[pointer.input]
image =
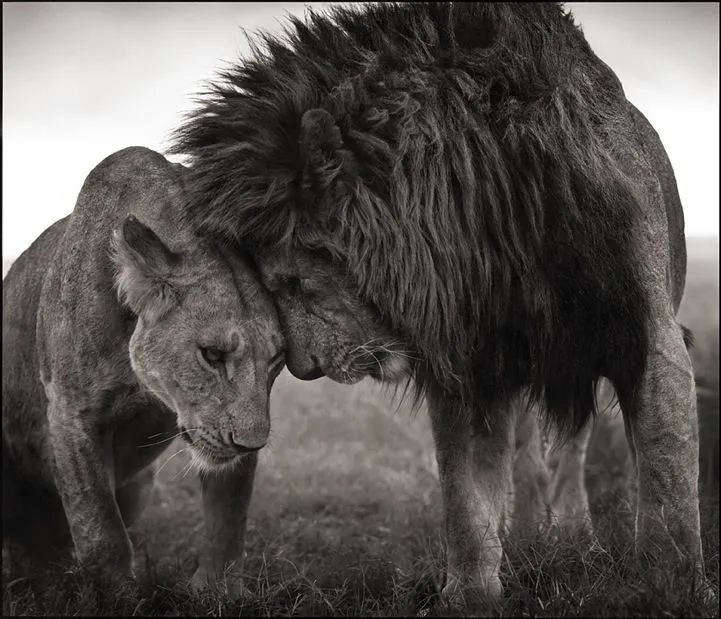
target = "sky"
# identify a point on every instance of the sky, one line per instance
(82, 80)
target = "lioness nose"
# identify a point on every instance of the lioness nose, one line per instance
(243, 447)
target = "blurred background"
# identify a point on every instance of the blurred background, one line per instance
(82, 80)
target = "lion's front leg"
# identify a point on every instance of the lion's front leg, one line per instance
(83, 473)
(475, 465)
(531, 476)
(226, 498)
(662, 429)
(568, 497)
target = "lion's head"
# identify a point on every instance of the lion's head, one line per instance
(329, 330)
(207, 341)
(452, 185)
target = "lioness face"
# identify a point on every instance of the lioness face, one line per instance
(207, 343)
(328, 330)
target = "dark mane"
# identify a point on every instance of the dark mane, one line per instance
(474, 195)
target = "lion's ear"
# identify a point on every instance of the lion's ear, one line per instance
(323, 155)
(144, 270)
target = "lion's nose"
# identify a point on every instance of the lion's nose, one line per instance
(243, 447)
(311, 375)
(304, 368)
(302, 365)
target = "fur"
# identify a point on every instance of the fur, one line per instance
(467, 183)
(92, 393)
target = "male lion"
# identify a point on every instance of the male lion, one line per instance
(93, 393)
(461, 193)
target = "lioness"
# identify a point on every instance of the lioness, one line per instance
(94, 388)
(460, 193)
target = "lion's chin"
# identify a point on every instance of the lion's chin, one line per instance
(206, 462)
(392, 369)
(346, 378)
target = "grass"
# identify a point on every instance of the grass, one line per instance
(346, 518)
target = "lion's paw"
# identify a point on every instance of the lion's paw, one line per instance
(228, 582)
(571, 515)
(473, 600)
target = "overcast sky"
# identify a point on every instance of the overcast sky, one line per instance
(82, 80)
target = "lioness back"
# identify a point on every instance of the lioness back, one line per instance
(26, 479)
(24, 401)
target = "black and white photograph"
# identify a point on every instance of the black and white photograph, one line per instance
(360, 309)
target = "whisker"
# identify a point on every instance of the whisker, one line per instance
(165, 440)
(170, 458)
(367, 343)
(187, 467)
(377, 361)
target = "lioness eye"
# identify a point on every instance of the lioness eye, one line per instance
(213, 356)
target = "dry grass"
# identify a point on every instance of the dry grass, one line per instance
(346, 517)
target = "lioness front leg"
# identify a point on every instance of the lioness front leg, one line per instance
(475, 469)
(662, 429)
(226, 498)
(82, 468)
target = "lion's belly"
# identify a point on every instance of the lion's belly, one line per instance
(146, 430)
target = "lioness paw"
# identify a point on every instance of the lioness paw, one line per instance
(108, 577)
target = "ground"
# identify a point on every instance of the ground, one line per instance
(346, 515)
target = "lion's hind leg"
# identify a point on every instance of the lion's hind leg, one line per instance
(662, 429)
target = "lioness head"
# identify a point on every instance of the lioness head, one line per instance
(328, 330)
(207, 341)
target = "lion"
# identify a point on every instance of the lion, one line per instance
(122, 330)
(460, 194)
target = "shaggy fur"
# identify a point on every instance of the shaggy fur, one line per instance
(467, 184)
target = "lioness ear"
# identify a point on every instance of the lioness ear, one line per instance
(322, 152)
(144, 269)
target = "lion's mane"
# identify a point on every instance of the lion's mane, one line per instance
(473, 191)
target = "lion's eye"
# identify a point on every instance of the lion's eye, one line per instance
(213, 356)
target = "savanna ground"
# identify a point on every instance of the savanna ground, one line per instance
(346, 516)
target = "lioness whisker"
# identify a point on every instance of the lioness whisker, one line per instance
(164, 440)
(188, 466)
(162, 466)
